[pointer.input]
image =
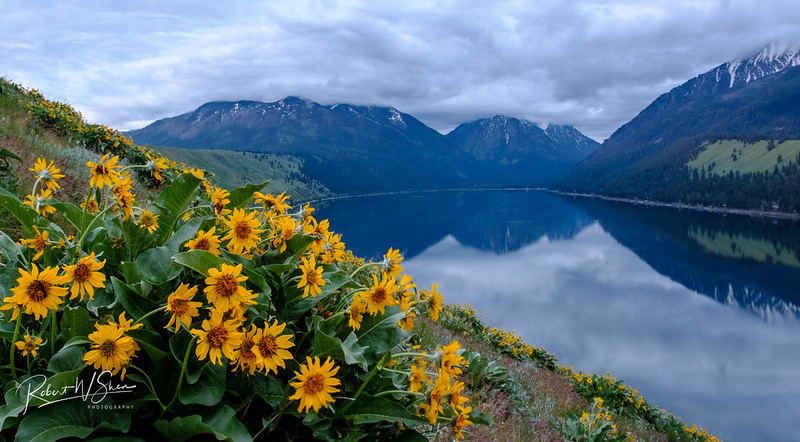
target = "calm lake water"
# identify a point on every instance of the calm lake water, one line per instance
(699, 312)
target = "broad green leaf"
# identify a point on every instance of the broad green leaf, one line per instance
(5, 153)
(208, 389)
(156, 266)
(151, 342)
(74, 214)
(369, 409)
(200, 261)
(75, 322)
(381, 333)
(220, 422)
(266, 387)
(241, 195)
(66, 359)
(298, 243)
(480, 418)
(325, 341)
(9, 250)
(173, 200)
(354, 353)
(186, 232)
(134, 305)
(299, 305)
(24, 214)
(103, 299)
(67, 419)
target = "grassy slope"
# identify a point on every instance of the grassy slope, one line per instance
(235, 169)
(738, 246)
(522, 397)
(752, 157)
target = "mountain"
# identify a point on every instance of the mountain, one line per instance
(757, 98)
(357, 149)
(347, 148)
(521, 148)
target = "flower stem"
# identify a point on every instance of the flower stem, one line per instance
(181, 376)
(53, 333)
(363, 267)
(387, 392)
(160, 309)
(150, 385)
(14, 340)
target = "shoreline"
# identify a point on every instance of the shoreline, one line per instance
(680, 206)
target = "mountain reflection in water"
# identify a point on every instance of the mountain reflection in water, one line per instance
(613, 287)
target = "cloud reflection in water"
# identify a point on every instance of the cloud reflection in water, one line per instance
(597, 306)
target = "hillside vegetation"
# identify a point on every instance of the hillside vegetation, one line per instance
(236, 169)
(724, 156)
(236, 318)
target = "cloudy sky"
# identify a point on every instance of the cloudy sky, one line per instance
(593, 64)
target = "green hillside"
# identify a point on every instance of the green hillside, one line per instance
(724, 156)
(236, 169)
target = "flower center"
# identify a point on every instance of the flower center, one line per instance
(100, 169)
(311, 276)
(40, 243)
(242, 230)
(108, 348)
(246, 349)
(226, 286)
(379, 295)
(218, 206)
(30, 346)
(38, 290)
(267, 345)
(217, 336)
(178, 306)
(82, 272)
(315, 383)
(202, 244)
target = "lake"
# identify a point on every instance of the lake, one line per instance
(699, 312)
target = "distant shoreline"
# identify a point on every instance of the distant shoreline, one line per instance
(680, 206)
(696, 207)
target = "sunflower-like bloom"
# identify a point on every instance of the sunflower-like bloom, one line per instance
(105, 172)
(37, 203)
(245, 356)
(111, 349)
(461, 420)
(219, 198)
(205, 241)
(451, 361)
(37, 292)
(84, 276)
(333, 251)
(243, 234)
(275, 204)
(356, 312)
(407, 298)
(407, 323)
(438, 392)
(315, 383)
(381, 294)
(149, 221)
(283, 230)
(434, 301)
(320, 233)
(217, 337)
(91, 206)
(155, 166)
(271, 347)
(391, 262)
(182, 308)
(38, 242)
(223, 288)
(417, 378)
(311, 280)
(455, 398)
(47, 173)
(29, 345)
(123, 194)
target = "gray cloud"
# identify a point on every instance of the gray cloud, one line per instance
(592, 64)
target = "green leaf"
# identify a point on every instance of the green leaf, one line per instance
(480, 418)
(5, 153)
(220, 422)
(186, 232)
(241, 195)
(354, 353)
(67, 359)
(23, 395)
(369, 409)
(208, 389)
(200, 261)
(74, 214)
(381, 333)
(325, 343)
(75, 322)
(65, 419)
(24, 214)
(9, 250)
(135, 305)
(173, 200)
(156, 266)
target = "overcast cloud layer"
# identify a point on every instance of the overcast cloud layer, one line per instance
(592, 64)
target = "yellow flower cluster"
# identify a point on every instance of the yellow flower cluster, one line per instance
(112, 349)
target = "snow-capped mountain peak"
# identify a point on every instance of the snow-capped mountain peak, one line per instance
(774, 58)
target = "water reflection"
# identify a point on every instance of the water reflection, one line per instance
(615, 288)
